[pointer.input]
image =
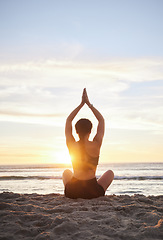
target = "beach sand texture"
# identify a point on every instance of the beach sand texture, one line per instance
(52, 216)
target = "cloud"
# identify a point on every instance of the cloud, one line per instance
(23, 114)
(53, 73)
(30, 104)
(41, 91)
(138, 119)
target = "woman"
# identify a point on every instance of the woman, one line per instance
(82, 183)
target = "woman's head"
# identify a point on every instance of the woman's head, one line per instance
(83, 127)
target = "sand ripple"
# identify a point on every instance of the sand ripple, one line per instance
(52, 216)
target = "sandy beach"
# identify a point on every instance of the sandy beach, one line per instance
(52, 216)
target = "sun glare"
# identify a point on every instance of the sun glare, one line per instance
(62, 157)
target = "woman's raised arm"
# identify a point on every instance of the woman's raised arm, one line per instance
(68, 126)
(101, 122)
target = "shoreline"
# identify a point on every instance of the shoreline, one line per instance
(53, 216)
(63, 165)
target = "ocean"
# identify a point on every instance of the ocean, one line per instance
(133, 178)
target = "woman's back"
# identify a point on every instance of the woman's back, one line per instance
(85, 156)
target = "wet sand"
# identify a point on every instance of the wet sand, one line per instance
(52, 216)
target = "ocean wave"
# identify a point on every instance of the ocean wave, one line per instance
(3, 178)
(136, 178)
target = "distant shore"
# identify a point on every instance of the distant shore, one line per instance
(52, 216)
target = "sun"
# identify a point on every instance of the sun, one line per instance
(62, 157)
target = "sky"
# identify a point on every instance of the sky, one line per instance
(50, 50)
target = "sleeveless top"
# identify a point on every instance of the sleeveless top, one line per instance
(91, 161)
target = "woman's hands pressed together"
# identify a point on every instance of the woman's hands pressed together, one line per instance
(85, 97)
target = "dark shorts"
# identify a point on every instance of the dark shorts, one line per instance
(86, 189)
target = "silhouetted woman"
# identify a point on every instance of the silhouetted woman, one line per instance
(82, 183)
